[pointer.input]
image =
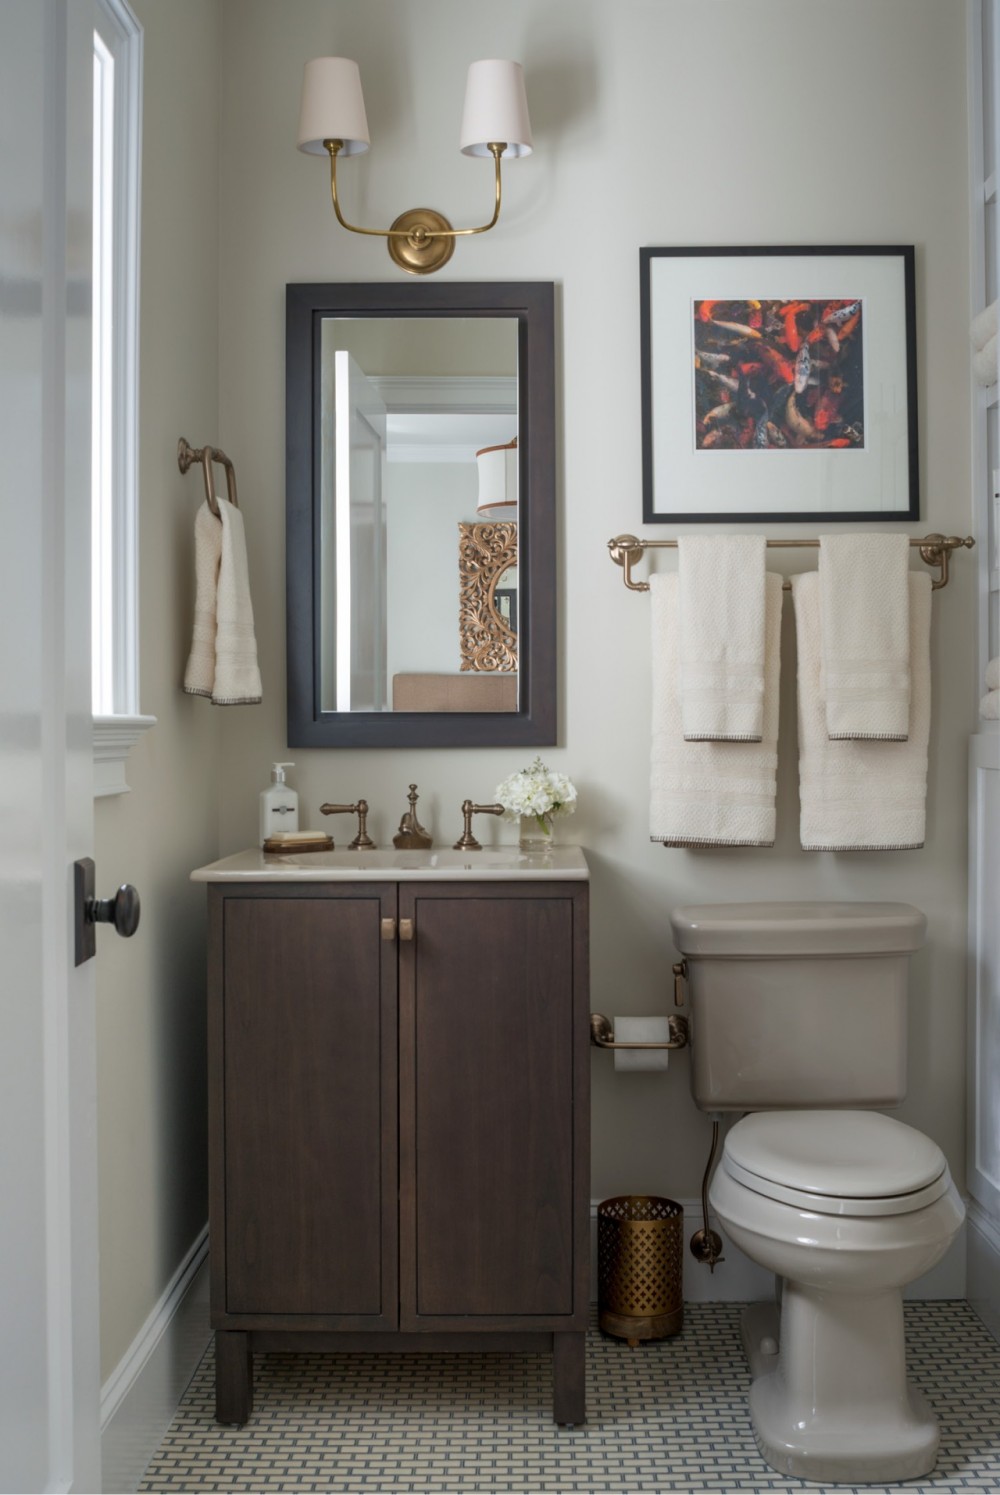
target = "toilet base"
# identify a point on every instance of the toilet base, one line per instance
(868, 1428)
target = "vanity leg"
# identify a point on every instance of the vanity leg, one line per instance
(233, 1376)
(569, 1380)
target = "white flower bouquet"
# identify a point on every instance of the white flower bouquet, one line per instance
(536, 793)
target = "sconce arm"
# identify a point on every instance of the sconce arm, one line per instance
(496, 149)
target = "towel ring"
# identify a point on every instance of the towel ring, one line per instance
(206, 455)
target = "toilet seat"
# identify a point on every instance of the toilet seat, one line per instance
(836, 1162)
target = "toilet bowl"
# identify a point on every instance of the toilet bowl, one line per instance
(846, 1208)
(799, 1015)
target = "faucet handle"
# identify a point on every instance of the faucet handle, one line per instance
(362, 841)
(467, 841)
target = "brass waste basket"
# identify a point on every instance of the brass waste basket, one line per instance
(640, 1255)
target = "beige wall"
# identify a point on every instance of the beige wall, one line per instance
(151, 1025)
(784, 121)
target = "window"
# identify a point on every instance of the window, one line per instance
(117, 144)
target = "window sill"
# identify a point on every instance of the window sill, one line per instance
(114, 736)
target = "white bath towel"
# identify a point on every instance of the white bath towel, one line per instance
(989, 706)
(984, 326)
(709, 793)
(223, 659)
(721, 637)
(993, 675)
(864, 612)
(861, 796)
(984, 363)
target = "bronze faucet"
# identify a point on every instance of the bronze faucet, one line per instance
(411, 835)
(362, 841)
(467, 841)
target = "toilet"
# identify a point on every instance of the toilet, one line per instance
(799, 1018)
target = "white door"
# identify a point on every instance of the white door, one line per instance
(49, 1361)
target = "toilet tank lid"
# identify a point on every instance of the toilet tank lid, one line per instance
(797, 928)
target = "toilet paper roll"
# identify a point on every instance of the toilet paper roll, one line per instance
(641, 1030)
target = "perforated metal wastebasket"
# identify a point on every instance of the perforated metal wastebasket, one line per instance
(640, 1255)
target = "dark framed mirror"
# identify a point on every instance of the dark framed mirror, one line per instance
(406, 407)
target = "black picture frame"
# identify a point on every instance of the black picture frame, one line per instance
(868, 471)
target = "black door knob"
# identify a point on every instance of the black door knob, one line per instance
(122, 910)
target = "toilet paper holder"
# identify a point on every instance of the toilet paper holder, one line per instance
(602, 1034)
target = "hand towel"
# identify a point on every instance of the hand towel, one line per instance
(861, 796)
(223, 659)
(989, 706)
(984, 363)
(984, 326)
(993, 675)
(721, 637)
(709, 793)
(864, 635)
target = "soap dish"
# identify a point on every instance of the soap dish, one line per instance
(285, 843)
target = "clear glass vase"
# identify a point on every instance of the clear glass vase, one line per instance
(537, 833)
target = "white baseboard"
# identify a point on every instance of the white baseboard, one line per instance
(984, 1267)
(737, 1279)
(144, 1391)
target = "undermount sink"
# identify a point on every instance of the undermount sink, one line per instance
(496, 864)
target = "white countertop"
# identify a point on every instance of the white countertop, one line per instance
(498, 864)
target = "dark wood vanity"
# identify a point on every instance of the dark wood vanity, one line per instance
(399, 1115)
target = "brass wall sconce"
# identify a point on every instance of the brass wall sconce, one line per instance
(495, 123)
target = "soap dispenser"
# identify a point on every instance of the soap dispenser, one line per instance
(279, 804)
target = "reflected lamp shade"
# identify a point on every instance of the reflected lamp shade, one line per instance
(497, 482)
(496, 109)
(333, 107)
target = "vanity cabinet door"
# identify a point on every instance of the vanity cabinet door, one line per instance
(304, 1172)
(494, 1070)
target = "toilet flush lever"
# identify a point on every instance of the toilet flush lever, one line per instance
(680, 976)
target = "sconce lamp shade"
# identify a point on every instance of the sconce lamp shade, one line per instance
(333, 107)
(497, 482)
(496, 108)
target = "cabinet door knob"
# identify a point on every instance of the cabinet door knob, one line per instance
(388, 929)
(406, 929)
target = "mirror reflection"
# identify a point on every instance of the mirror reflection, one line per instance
(418, 463)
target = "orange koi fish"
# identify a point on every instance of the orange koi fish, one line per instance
(849, 326)
(789, 314)
(781, 366)
(705, 310)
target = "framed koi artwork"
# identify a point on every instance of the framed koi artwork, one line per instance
(778, 384)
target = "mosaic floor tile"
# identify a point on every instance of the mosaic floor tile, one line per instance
(667, 1417)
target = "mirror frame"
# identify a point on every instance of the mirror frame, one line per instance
(531, 303)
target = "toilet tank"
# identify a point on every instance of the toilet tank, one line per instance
(797, 1004)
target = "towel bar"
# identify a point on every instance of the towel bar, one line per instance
(935, 550)
(206, 455)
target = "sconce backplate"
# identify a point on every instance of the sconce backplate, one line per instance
(421, 252)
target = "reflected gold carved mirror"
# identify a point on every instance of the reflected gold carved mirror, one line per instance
(394, 394)
(487, 555)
